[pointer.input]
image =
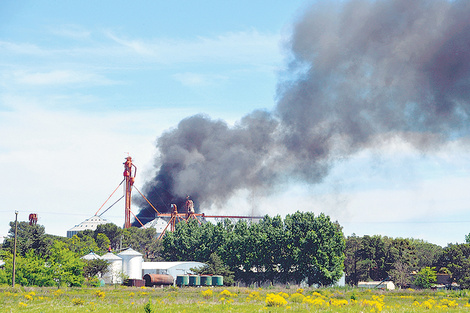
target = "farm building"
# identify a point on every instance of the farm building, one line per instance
(169, 268)
(388, 285)
(159, 223)
(130, 263)
(90, 223)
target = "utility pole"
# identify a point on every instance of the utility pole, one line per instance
(14, 250)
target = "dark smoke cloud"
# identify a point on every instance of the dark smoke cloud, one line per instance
(361, 72)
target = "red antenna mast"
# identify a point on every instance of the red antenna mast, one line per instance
(129, 176)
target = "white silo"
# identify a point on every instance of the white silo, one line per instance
(113, 276)
(131, 263)
(91, 256)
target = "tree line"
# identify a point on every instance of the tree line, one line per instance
(302, 247)
(378, 258)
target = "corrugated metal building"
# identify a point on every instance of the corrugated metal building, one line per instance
(90, 223)
(170, 268)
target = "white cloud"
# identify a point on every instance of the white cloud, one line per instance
(59, 77)
(238, 47)
(134, 45)
(7, 47)
(76, 32)
(198, 80)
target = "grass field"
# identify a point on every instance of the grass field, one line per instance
(231, 299)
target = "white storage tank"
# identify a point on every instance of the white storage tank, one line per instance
(113, 276)
(131, 263)
(91, 256)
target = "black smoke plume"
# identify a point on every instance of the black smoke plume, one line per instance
(361, 72)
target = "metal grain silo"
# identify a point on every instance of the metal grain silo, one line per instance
(113, 276)
(131, 263)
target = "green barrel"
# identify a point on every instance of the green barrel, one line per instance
(206, 280)
(182, 280)
(194, 280)
(217, 280)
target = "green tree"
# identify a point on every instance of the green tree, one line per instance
(82, 245)
(235, 251)
(351, 253)
(140, 239)
(183, 243)
(400, 250)
(272, 248)
(29, 237)
(318, 248)
(95, 267)
(103, 242)
(426, 277)
(372, 263)
(400, 274)
(112, 231)
(211, 238)
(66, 266)
(60, 267)
(31, 270)
(427, 254)
(456, 258)
(215, 266)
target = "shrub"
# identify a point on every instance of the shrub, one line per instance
(254, 295)
(319, 301)
(78, 301)
(226, 293)
(297, 298)
(100, 294)
(207, 294)
(283, 294)
(275, 300)
(425, 277)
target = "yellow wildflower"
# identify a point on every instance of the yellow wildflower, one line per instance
(275, 300)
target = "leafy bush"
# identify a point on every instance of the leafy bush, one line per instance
(426, 277)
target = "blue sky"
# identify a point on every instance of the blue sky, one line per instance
(84, 83)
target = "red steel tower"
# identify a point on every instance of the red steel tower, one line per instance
(129, 177)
